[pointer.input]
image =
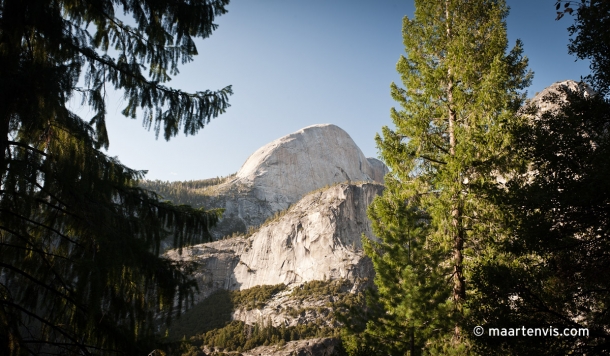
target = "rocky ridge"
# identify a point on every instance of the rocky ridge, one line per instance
(311, 347)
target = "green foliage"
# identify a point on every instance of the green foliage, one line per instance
(209, 322)
(313, 289)
(339, 300)
(461, 89)
(367, 326)
(255, 297)
(238, 336)
(80, 270)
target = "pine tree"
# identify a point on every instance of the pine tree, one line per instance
(461, 89)
(80, 271)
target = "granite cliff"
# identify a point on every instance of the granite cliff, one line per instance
(318, 238)
(311, 257)
(280, 173)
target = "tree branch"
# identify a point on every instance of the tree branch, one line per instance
(27, 147)
(432, 159)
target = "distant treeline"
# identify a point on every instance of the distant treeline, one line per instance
(190, 192)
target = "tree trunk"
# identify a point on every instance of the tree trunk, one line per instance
(457, 234)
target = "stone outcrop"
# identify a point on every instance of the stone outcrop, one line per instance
(280, 310)
(318, 238)
(280, 173)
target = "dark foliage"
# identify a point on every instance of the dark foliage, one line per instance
(550, 272)
(209, 322)
(591, 40)
(80, 271)
(238, 336)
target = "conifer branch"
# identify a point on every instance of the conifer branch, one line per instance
(39, 251)
(442, 149)
(56, 201)
(75, 342)
(37, 224)
(30, 148)
(44, 285)
(432, 159)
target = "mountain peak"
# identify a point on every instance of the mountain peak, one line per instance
(281, 172)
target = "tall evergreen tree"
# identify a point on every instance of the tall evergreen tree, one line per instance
(461, 88)
(80, 271)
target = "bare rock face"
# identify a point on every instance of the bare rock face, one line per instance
(278, 174)
(300, 162)
(379, 169)
(319, 238)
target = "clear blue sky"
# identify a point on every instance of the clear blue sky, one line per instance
(295, 63)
